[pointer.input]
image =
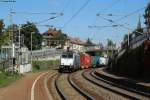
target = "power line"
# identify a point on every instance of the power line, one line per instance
(109, 7)
(7, 1)
(130, 14)
(42, 21)
(125, 16)
(72, 17)
(121, 25)
(109, 14)
(31, 13)
(45, 20)
(115, 25)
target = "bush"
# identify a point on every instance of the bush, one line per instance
(6, 78)
(43, 65)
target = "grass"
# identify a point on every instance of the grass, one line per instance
(6, 78)
(44, 65)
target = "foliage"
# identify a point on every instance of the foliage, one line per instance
(6, 78)
(28, 29)
(43, 65)
(130, 63)
(2, 25)
(13, 31)
(60, 37)
(4, 35)
(110, 44)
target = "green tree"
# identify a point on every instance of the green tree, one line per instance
(4, 35)
(2, 25)
(28, 29)
(13, 31)
(110, 44)
(60, 37)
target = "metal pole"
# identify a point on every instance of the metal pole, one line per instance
(31, 50)
(128, 39)
(19, 37)
(19, 58)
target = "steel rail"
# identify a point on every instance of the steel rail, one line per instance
(75, 86)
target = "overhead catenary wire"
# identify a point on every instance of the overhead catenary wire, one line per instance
(75, 14)
(109, 7)
(40, 22)
(31, 13)
(7, 1)
(120, 25)
(123, 17)
(130, 14)
(103, 26)
(45, 20)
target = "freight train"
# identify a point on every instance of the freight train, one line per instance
(71, 61)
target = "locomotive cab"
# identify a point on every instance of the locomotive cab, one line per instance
(69, 61)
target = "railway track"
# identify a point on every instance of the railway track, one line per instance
(126, 84)
(61, 89)
(111, 86)
(85, 84)
(93, 91)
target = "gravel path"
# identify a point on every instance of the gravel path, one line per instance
(19, 90)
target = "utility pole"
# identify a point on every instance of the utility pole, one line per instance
(19, 49)
(11, 44)
(31, 50)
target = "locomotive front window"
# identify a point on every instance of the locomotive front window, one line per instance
(70, 56)
(64, 56)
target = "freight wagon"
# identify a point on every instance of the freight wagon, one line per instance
(95, 61)
(69, 61)
(85, 61)
(98, 61)
(103, 61)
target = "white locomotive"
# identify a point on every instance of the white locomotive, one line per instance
(69, 61)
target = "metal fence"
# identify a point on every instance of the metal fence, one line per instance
(45, 54)
(134, 43)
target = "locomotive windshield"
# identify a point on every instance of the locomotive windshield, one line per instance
(68, 55)
(64, 56)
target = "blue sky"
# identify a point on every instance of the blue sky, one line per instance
(78, 27)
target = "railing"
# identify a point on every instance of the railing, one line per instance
(45, 53)
(134, 43)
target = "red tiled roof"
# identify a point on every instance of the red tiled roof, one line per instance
(51, 31)
(76, 41)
